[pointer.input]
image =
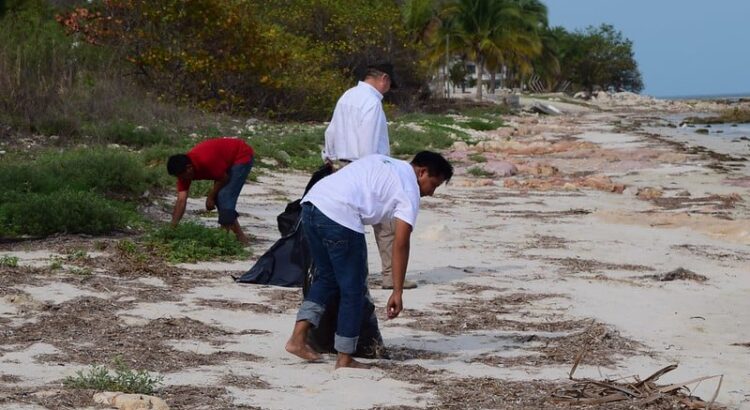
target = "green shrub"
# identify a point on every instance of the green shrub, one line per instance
(192, 242)
(480, 124)
(123, 380)
(9, 261)
(110, 172)
(62, 211)
(479, 172)
(476, 157)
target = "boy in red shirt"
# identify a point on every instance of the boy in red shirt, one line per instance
(226, 161)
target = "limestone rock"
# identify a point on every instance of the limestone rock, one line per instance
(648, 193)
(501, 168)
(460, 146)
(124, 401)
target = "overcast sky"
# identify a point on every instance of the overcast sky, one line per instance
(683, 47)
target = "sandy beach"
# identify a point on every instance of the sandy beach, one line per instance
(623, 240)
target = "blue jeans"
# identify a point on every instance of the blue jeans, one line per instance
(226, 199)
(340, 256)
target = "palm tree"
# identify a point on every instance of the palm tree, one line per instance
(496, 32)
(420, 19)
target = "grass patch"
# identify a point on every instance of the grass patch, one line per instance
(192, 242)
(479, 172)
(477, 157)
(481, 124)
(406, 140)
(125, 133)
(7, 261)
(415, 132)
(292, 145)
(123, 379)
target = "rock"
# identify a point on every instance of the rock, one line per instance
(542, 170)
(583, 95)
(701, 131)
(472, 182)
(460, 146)
(124, 401)
(501, 169)
(603, 96)
(648, 193)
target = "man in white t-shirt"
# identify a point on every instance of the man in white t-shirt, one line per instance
(359, 128)
(334, 214)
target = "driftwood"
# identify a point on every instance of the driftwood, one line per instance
(587, 392)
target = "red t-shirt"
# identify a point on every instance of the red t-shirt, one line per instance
(212, 158)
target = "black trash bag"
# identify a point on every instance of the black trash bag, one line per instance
(287, 262)
(370, 343)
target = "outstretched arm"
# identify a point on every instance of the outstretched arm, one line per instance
(179, 207)
(399, 261)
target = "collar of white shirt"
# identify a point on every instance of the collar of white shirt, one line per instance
(371, 88)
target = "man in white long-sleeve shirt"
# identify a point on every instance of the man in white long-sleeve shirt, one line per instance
(359, 128)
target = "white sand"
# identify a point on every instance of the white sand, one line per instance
(478, 235)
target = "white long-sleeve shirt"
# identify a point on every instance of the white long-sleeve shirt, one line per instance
(358, 127)
(368, 191)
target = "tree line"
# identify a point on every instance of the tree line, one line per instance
(293, 58)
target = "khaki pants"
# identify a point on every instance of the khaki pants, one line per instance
(385, 232)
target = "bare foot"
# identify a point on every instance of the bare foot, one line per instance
(351, 363)
(303, 351)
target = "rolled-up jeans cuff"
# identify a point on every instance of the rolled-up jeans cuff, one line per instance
(311, 312)
(344, 344)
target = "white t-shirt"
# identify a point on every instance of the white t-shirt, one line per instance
(368, 191)
(358, 127)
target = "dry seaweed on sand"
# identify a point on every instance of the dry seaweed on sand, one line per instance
(575, 265)
(282, 300)
(403, 353)
(633, 391)
(86, 330)
(459, 393)
(475, 313)
(679, 274)
(184, 397)
(49, 397)
(604, 346)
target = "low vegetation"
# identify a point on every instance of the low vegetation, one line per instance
(8, 261)
(733, 116)
(479, 172)
(122, 379)
(90, 191)
(193, 242)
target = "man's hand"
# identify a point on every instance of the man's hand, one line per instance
(395, 305)
(210, 203)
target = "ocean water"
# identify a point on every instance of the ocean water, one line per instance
(721, 97)
(733, 131)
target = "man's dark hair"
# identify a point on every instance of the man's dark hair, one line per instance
(177, 164)
(436, 165)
